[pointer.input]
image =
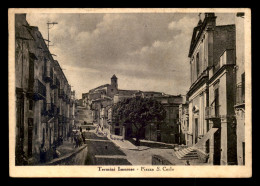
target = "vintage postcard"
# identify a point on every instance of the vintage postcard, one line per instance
(130, 92)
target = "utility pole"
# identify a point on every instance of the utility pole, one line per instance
(49, 27)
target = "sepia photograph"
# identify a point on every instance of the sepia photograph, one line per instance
(130, 92)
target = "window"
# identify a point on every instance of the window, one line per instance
(197, 64)
(216, 102)
(243, 87)
(30, 104)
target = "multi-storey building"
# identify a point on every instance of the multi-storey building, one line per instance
(240, 87)
(169, 130)
(212, 124)
(102, 98)
(38, 81)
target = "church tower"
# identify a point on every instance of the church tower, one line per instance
(114, 82)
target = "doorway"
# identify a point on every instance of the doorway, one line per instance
(50, 136)
(217, 150)
(117, 131)
(30, 136)
(196, 130)
(43, 136)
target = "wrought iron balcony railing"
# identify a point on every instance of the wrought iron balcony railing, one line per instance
(61, 93)
(37, 91)
(212, 112)
(54, 83)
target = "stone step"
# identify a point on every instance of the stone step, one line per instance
(187, 154)
(185, 157)
(188, 151)
(181, 153)
(191, 149)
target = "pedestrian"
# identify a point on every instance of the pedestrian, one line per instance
(43, 153)
(80, 129)
(76, 141)
(83, 138)
(80, 140)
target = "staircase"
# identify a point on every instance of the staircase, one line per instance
(191, 152)
(187, 154)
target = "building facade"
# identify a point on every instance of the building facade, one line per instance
(101, 101)
(213, 128)
(240, 88)
(40, 103)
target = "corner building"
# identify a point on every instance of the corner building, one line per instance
(211, 97)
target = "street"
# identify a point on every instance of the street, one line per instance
(104, 151)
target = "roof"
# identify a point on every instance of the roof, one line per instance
(114, 77)
(127, 92)
(102, 99)
(198, 30)
(153, 92)
(101, 86)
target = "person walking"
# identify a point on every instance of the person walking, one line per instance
(76, 141)
(43, 153)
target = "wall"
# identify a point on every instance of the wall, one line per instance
(224, 38)
(240, 112)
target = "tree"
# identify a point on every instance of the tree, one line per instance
(138, 112)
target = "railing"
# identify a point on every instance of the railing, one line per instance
(212, 112)
(61, 93)
(240, 94)
(51, 109)
(39, 90)
(54, 83)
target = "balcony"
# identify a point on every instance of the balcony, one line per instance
(240, 95)
(68, 100)
(212, 112)
(60, 118)
(65, 119)
(65, 97)
(37, 91)
(54, 83)
(52, 110)
(48, 72)
(61, 93)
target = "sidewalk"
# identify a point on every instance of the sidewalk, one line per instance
(67, 150)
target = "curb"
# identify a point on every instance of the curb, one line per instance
(58, 160)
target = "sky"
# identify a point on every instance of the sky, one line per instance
(146, 51)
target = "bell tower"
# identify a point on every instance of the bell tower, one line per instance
(114, 82)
